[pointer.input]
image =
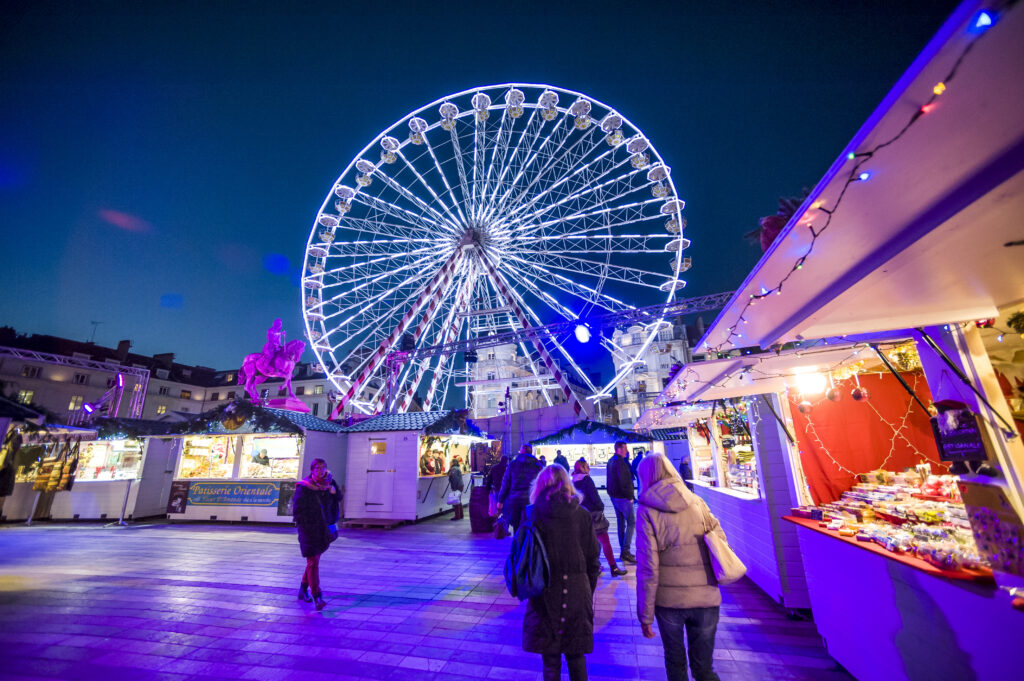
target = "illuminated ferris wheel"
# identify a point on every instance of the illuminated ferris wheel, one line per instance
(493, 209)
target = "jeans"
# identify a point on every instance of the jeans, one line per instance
(577, 665)
(700, 625)
(513, 511)
(625, 522)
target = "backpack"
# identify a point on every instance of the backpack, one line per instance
(526, 568)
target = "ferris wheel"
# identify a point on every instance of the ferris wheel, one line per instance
(493, 209)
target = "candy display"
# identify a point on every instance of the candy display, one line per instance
(912, 513)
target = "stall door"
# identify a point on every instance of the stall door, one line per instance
(380, 476)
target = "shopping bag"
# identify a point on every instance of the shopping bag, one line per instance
(500, 527)
(454, 498)
(726, 565)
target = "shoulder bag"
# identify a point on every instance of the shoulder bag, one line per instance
(727, 566)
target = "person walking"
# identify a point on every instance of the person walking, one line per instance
(685, 471)
(637, 458)
(493, 481)
(514, 494)
(457, 484)
(591, 500)
(560, 621)
(316, 508)
(561, 460)
(674, 581)
(620, 489)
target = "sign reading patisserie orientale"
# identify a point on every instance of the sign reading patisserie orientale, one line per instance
(234, 493)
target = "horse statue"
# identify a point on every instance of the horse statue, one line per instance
(277, 360)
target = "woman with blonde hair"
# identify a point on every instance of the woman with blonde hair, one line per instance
(560, 621)
(674, 580)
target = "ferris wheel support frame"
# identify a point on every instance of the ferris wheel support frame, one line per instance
(429, 295)
(503, 289)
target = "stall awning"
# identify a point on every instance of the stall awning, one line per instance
(433, 422)
(589, 433)
(668, 434)
(676, 416)
(932, 233)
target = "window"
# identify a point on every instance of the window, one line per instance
(163, 390)
(378, 447)
(280, 391)
(490, 375)
(186, 394)
(214, 397)
(270, 457)
(161, 409)
(110, 460)
(490, 354)
(300, 390)
(80, 379)
(641, 386)
(492, 402)
(265, 393)
(316, 408)
(231, 395)
(25, 396)
(76, 402)
(30, 371)
(318, 389)
(187, 373)
(162, 373)
(184, 409)
(208, 457)
(230, 378)
(111, 382)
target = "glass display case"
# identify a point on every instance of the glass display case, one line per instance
(270, 458)
(738, 462)
(207, 457)
(110, 460)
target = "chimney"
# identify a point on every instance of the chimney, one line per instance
(164, 359)
(122, 350)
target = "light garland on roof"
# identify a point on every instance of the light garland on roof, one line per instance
(859, 172)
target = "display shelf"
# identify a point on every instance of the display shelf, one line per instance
(980, 575)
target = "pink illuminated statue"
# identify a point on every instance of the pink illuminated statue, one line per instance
(277, 360)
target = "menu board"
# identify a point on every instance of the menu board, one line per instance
(960, 436)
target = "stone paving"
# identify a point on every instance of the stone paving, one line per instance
(422, 602)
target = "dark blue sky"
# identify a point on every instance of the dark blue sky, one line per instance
(161, 163)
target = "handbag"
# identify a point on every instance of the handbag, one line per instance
(454, 498)
(601, 523)
(500, 527)
(527, 571)
(727, 566)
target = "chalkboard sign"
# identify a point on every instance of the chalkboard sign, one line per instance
(284, 500)
(177, 500)
(960, 436)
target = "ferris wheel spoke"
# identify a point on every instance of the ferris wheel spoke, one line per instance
(520, 155)
(532, 155)
(585, 293)
(593, 243)
(501, 142)
(372, 275)
(373, 298)
(460, 166)
(444, 178)
(450, 216)
(399, 213)
(380, 228)
(624, 214)
(600, 269)
(598, 188)
(443, 221)
(563, 162)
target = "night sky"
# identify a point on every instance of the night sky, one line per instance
(161, 164)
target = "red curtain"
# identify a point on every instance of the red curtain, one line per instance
(840, 439)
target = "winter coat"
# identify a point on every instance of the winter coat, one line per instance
(519, 475)
(591, 501)
(561, 619)
(497, 474)
(313, 511)
(563, 462)
(455, 479)
(673, 568)
(620, 478)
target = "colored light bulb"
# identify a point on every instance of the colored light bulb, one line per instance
(939, 88)
(864, 176)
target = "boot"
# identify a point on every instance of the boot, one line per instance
(617, 571)
(304, 593)
(320, 602)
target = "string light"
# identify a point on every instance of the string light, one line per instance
(978, 26)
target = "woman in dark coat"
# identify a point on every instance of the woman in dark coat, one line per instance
(316, 508)
(457, 484)
(591, 500)
(514, 494)
(561, 620)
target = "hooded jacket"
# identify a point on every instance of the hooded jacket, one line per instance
(673, 567)
(519, 475)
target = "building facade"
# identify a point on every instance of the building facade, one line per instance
(653, 369)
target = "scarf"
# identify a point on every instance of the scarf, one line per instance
(311, 483)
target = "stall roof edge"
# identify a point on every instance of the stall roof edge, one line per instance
(411, 420)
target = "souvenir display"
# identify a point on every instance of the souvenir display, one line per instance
(271, 458)
(912, 513)
(207, 457)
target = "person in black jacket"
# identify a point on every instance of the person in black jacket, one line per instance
(560, 621)
(456, 483)
(561, 460)
(316, 508)
(620, 489)
(515, 486)
(495, 476)
(591, 500)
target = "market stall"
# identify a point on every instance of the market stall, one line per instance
(593, 441)
(398, 464)
(915, 228)
(240, 462)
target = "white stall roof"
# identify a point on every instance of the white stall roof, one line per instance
(767, 372)
(676, 416)
(934, 233)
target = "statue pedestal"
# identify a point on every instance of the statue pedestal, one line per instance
(289, 403)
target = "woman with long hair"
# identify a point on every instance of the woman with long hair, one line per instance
(591, 500)
(316, 508)
(674, 580)
(560, 621)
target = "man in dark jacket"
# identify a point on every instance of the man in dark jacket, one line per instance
(515, 487)
(562, 461)
(620, 489)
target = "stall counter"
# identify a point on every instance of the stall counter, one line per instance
(889, 618)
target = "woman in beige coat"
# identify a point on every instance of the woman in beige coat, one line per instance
(674, 580)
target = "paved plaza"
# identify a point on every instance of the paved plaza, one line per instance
(418, 603)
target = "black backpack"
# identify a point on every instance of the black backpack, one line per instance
(527, 572)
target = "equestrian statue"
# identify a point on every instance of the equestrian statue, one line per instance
(277, 360)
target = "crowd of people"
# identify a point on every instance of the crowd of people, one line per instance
(674, 581)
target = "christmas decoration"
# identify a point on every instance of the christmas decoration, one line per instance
(833, 395)
(860, 394)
